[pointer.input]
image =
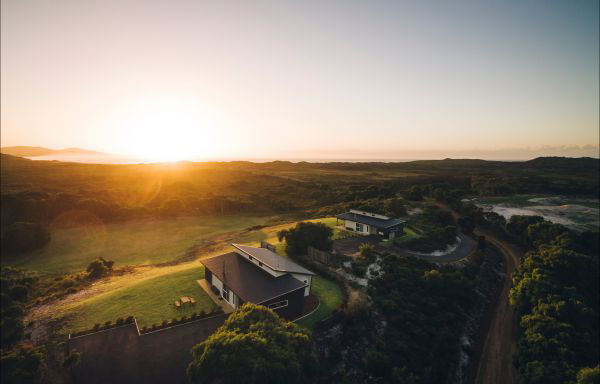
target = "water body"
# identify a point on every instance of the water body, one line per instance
(579, 214)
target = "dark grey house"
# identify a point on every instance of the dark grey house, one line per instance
(367, 223)
(259, 276)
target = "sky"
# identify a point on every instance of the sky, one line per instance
(301, 79)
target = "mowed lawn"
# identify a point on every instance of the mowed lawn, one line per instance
(150, 301)
(130, 243)
(330, 298)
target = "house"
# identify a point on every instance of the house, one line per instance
(367, 223)
(259, 276)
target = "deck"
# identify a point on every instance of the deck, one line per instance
(217, 300)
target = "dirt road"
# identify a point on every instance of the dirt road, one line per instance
(495, 363)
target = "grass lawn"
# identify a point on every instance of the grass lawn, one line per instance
(130, 243)
(151, 301)
(330, 297)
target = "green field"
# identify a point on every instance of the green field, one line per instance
(131, 243)
(150, 301)
(330, 298)
(150, 292)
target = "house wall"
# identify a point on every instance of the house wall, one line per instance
(305, 279)
(351, 225)
(219, 284)
(295, 304)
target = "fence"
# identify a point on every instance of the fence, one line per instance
(324, 257)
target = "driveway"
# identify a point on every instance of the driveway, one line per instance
(349, 247)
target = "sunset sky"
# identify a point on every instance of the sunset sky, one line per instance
(283, 79)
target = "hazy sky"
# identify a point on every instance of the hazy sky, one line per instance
(170, 79)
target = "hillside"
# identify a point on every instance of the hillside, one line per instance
(27, 151)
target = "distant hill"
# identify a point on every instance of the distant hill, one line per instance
(26, 151)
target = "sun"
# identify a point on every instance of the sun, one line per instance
(170, 127)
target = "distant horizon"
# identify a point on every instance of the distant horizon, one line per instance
(523, 154)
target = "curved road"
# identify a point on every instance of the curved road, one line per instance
(495, 362)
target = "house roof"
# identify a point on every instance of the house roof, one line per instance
(273, 260)
(374, 221)
(247, 280)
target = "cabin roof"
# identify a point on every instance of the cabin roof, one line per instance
(373, 221)
(273, 260)
(247, 280)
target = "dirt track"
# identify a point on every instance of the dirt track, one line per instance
(495, 363)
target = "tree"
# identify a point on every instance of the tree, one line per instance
(414, 194)
(517, 226)
(394, 207)
(22, 237)
(99, 268)
(589, 375)
(305, 235)
(24, 364)
(254, 345)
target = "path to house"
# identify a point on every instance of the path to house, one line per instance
(350, 245)
(494, 365)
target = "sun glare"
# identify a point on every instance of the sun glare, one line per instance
(171, 128)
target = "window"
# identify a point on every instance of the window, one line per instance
(279, 304)
(359, 227)
(225, 292)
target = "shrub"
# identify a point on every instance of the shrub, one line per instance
(120, 321)
(96, 326)
(164, 323)
(129, 319)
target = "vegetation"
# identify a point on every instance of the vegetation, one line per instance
(151, 301)
(437, 231)
(254, 345)
(555, 293)
(304, 235)
(23, 365)
(330, 299)
(136, 242)
(425, 308)
(99, 268)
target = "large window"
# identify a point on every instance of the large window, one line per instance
(359, 227)
(225, 292)
(279, 304)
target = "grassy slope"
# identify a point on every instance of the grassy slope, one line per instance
(149, 293)
(330, 298)
(150, 301)
(130, 243)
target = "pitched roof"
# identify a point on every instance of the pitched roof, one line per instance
(273, 260)
(374, 221)
(247, 280)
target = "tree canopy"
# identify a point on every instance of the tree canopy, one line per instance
(254, 345)
(305, 235)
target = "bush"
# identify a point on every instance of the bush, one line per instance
(99, 268)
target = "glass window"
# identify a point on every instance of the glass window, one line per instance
(279, 304)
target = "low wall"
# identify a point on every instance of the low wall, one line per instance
(122, 355)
